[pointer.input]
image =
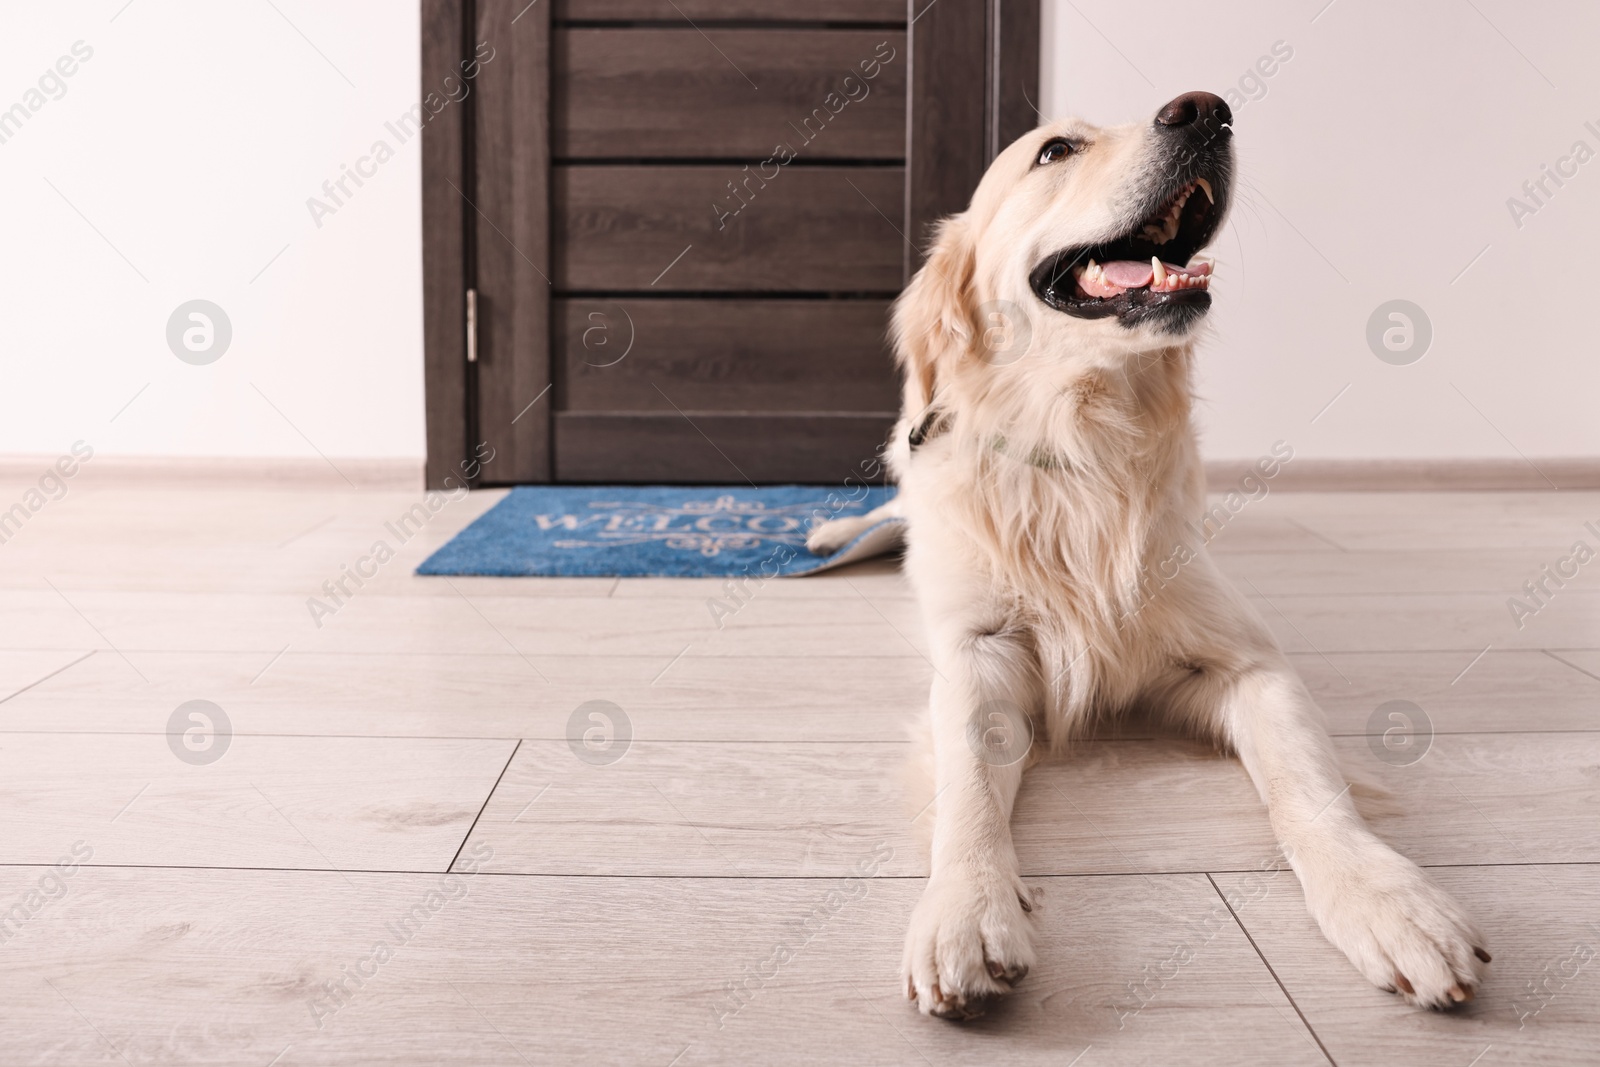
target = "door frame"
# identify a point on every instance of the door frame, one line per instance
(950, 141)
(448, 254)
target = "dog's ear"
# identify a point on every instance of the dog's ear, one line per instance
(934, 320)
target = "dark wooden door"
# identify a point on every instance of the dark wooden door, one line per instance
(673, 228)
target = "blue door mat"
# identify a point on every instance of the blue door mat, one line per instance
(662, 531)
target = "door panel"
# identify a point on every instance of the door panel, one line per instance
(698, 447)
(809, 229)
(651, 93)
(646, 354)
(701, 10)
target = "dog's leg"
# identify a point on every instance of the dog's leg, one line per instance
(1399, 929)
(826, 538)
(970, 937)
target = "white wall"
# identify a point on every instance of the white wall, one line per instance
(191, 140)
(1391, 142)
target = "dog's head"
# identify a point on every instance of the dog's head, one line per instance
(1087, 234)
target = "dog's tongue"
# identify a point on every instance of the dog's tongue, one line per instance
(1129, 273)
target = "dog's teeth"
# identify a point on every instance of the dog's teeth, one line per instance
(1159, 271)
(1206, 186)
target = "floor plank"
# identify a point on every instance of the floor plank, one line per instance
(325, 803)
(1431, 622)
(1433, 522)
(666, 697)
(694, 697)
(1487, 798)
(1505, 690)
(1253, 531)
(578, 625)
(1496, 571)
(1123, 807)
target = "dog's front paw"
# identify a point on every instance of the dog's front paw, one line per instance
(1404, 933)
(970, 941)
(826, 538)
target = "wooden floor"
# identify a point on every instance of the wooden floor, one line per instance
(734, 888)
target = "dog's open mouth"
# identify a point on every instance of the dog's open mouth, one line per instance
(1147, 271)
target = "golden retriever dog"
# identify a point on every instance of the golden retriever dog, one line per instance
(1052, 489)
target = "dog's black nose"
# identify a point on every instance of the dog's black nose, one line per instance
(1203, 109)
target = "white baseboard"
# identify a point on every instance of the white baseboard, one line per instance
(227, 471)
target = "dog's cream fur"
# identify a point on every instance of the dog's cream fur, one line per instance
(1066, 476)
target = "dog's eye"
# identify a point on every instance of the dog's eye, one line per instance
(1054, 151)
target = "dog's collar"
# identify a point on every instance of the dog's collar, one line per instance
(933, 423)
(936, 422)
(1045, 461)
